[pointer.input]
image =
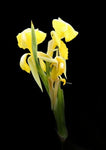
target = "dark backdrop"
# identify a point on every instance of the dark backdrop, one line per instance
(28, 119)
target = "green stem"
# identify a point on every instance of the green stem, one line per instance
(59, 115)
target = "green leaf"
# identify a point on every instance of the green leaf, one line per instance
(34, 44)
(34, 51)
(34, 65)
(34, 71)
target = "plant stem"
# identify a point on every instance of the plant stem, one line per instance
(59, 116)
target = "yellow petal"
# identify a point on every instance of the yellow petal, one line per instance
(70, 33)
(63, 80)
(60, 27)
(24, 38)
(23, 64)
(43, 65)
(64, 29)
(40, 36)
(46, 57)
(65, 70)
(55, 38)
(51, 47)
(63, 50)
(59, 68)
(61, 65)
(34, 71)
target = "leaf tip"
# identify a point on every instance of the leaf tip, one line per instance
(32, 26)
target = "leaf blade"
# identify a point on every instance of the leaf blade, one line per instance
(34, 72)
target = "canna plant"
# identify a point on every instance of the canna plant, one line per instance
(49, 67)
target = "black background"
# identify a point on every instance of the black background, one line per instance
(28, 121)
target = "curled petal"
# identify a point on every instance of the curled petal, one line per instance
(63, 50)
(58, 69)
(70, 33)
(43, 65)
(55, 38)
(63, 80)
(46, 57)
(51, 47)
(23, 64)
(60, 27)
(64, 29)
(61, 65)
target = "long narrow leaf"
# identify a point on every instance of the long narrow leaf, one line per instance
(34, 44)
(35, 71)
(34, 51)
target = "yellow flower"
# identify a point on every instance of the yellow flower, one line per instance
(24, 41)
(57, 62)
(49, 67)
(57, 65)
(63, 50)
(58, 69)
(62, 30)
(24, 38)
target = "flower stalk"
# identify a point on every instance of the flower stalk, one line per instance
(60, 116)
